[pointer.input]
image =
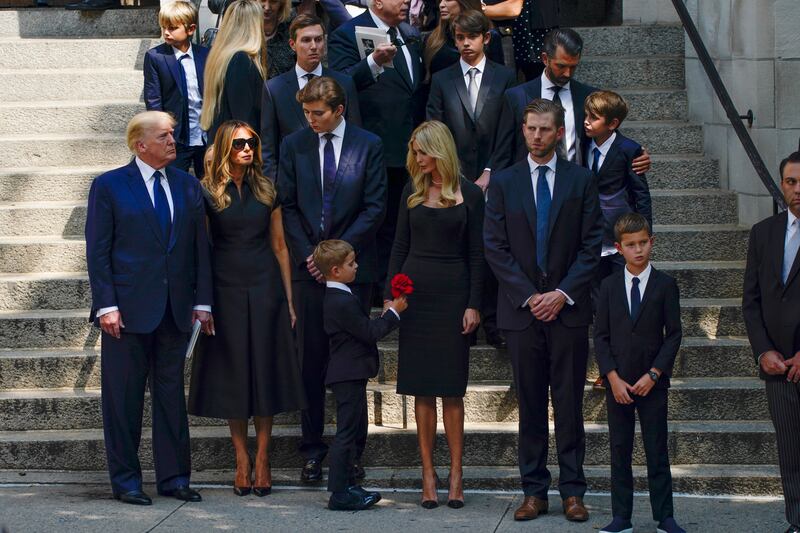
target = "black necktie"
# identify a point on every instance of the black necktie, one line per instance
(310, 76)
(596, 160)
(161, 205)
(561, 149)
(636, 298)
(400, 58)
(328, 177)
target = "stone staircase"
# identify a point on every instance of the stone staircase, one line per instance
(70, 82)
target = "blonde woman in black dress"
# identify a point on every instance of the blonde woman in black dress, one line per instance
(439, 245)
(248, 368)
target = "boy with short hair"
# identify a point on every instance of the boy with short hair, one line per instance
(610, 155)
(353, 360)
(173, 81)
(638, 313)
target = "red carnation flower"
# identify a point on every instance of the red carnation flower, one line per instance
(401, 285)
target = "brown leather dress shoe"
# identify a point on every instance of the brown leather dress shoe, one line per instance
(574, 509)
(531, 508)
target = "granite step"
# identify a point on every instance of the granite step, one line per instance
(642, 40)
(58, 54)
(656, 71)
(44, 184)
(70, 84)
(694, 206)
(73, 117)
(53, 149)
(683, 171)
(60, 23)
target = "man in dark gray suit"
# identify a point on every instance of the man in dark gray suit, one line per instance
(771, 309)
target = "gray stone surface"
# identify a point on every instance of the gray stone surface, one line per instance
(39, 184)
(707, 279)
(656, 104)
(665, 137)
(81, 150)
(106, 85)
(652, 72)
(54, 22)
(89, 508)
(56, 54)
(42, 254)
(42, 218)
(683, 172)
(44, 291)
(693, 206)
(69, 117)
(700, 243)
(632, 40)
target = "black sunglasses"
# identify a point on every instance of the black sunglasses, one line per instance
(238, 144)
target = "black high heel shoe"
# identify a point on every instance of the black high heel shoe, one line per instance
(244, 491)
(431, 504)
(454, 504)
(263, 491)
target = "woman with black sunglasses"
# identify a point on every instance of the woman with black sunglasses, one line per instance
(248, 367)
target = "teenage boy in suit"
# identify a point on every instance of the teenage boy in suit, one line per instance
(173, 82)
(771, 309)
(354, 359)
(473, 117)
(638, 314)
(281, 113)
(331, 185)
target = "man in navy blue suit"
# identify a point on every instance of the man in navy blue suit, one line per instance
(390, 92)
(173, 82)
(543, 231)
(331, 185)
(149, 271)
(281, 113)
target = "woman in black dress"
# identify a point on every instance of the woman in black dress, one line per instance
(439, 245)
(278, 15)
(235, 69)
(249, 367)
(440, 47)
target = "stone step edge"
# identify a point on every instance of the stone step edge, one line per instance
(200, 432)
(388, 387)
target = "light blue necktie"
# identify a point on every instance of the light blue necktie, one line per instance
(543, 200)
(790, 251)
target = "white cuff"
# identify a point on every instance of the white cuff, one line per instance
(525, 304)
(569, 300)
(206, 308)
(395, 313)
(105, 311)
(375, 68)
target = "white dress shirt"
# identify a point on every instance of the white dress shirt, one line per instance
(344, 287)
(301, 74)
(338, 138)
(481, 66)
(378, 69)
(570, 134)
(604, 148)
(195, 99)
(550, 176)
(791, 227)
(643, 277)
(149, 182)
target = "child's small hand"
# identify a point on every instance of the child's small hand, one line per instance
(620, 388)
(643, 386)
(399, 304)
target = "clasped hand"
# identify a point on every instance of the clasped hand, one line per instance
(313, 270)
(622, 390)
(773, 363)
(546, 306)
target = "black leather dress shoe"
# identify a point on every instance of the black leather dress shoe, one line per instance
(793, 529)
(496, 339)
(312, 471)
(186, 494)
(134, 497)
(351, 500)
(361, 490)
(358, 471)
(92, 5)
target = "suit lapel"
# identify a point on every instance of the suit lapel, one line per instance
(178, 207)
(620, 293)
(486, 85)
(142, 197)
(533, 91)
(461, 90)
(612, 153)
(525, 191)
(777, 237)
(173, 66)
(795, 264)
(345, 158)
(560, 191)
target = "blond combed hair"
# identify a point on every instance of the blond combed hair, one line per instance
(176, 13)
(142, 123)
(242, 30)
(331, 253)
(218, 172)
(433, 138)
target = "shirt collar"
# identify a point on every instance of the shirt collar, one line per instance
(533, 165)
(605, 146)
(147, 171)
(301, 72)
(381, 25)
(466, 66)
(178, 53)
(546, 84)
(790, 218)
(337, 285)
(338, 131)
(643, 277)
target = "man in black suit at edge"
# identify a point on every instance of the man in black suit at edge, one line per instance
(281, 113)
(542, 232)
(771, 309)
(331, 184)
(390, 93)
(562, 55)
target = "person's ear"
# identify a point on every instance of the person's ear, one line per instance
(292, 45)
(339, 110)
(545, 59)
(614, 124)
(487, 37)
(190, 29)
(618, 246)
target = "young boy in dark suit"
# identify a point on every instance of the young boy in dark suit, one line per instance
(173, 82)
(637, 333)
(353, 360)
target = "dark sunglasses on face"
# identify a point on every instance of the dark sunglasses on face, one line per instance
(238, 144)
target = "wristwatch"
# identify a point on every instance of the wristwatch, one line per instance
(653, 375)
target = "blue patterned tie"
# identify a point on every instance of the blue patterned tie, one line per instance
(636, 298)
(162, 206)
(596, 161)
(543, 200)
(328, 177)
(790, 251)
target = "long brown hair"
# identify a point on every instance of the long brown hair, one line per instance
(435, 139)
(442, 31)
(218, 173)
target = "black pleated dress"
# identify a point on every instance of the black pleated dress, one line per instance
(441, 250)
(249, 368)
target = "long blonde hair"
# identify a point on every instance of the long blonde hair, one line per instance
(242, 30)
(434, 139)
(218, 172)
(442, 31)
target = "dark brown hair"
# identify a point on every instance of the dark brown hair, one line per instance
(541, 106)
(472, 22)
(630, 223)
(607, 105)
(322, 88)
(331, 253)
(794, 157)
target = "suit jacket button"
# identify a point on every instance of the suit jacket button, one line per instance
(165, 281)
